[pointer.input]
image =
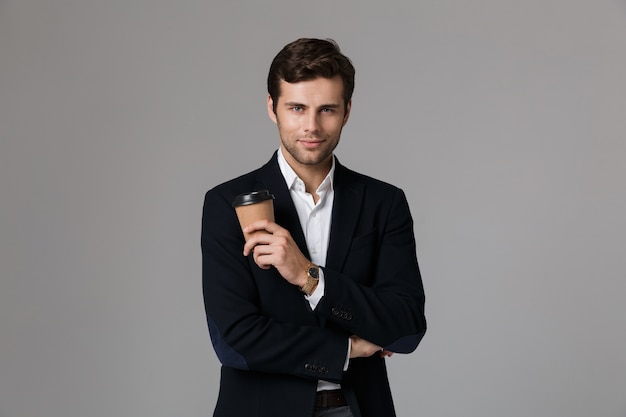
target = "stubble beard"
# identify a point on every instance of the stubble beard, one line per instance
(308, 157)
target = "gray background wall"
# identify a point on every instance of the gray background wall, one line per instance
(504, 121)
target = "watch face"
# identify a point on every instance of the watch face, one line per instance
(314, 272)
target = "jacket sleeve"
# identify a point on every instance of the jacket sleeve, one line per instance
(243, 335)
(378, 295)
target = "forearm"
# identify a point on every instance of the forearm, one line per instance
(257, 320)
(392, 320)
(378, 293)
(245, 337)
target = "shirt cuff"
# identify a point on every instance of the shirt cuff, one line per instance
(347, 362)
(318, 293)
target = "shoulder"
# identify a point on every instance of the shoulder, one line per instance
(242, 182)
(373, 195)
(249, 181)
(372, 185)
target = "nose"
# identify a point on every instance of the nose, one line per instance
(311, 122)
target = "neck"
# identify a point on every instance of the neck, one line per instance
(311, 175)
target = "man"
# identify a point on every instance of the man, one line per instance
(302, 316)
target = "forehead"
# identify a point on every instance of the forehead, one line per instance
(325, 90)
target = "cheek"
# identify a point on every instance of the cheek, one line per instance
(288, 121)
(333, 127)
(289, 127)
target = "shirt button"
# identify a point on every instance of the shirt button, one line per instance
(313, 251)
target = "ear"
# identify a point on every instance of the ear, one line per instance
(270, 108)
(347, 115)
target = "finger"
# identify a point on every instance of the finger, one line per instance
(256, 239)
(256, 225)
(266, 225)
(385, 352)
(262, 260)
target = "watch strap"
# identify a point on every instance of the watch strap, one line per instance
(311, 281)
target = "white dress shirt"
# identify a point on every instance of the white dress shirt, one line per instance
(315, 219)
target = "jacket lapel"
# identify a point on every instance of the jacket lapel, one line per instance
(347, 207)
(272, 179)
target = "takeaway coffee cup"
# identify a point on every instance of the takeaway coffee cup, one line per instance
(253, 206)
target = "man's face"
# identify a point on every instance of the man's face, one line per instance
(310, 116)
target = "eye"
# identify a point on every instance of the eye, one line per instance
(326, 110)
(296, 109)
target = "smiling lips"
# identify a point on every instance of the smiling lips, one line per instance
(311, 143)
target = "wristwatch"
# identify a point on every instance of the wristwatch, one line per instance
(312, 278)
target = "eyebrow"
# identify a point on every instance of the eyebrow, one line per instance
(296, 104)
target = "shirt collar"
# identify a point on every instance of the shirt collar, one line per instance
(292, 179)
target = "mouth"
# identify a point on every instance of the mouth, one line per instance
(311, 143)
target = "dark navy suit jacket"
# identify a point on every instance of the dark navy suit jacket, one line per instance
(272, 346)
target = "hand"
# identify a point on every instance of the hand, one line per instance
(278, 249)
(386, 352)
(361, 348)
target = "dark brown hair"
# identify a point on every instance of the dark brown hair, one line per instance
(307, 59)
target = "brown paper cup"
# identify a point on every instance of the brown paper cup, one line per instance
(253, 206)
